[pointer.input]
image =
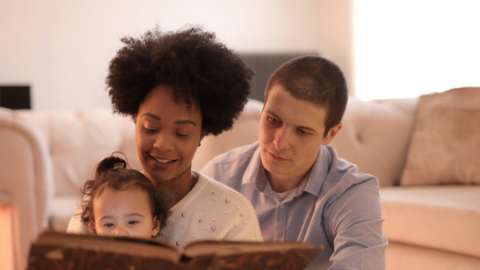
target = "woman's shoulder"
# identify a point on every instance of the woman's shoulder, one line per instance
(210, 185)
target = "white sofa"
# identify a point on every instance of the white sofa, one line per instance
(45, 157)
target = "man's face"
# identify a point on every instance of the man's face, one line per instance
(291, 133)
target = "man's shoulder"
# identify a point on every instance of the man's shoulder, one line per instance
(230, 167)
(345, 173)
(236, 155)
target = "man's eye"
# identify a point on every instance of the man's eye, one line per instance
(272, 119)
(303, 132)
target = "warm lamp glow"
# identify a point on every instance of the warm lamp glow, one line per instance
(6, 241)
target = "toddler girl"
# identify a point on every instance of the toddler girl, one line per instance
(122, 202)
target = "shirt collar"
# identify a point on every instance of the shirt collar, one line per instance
(318, 173)
(254, 169)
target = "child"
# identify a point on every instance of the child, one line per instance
(122, 202)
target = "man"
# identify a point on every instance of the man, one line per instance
(300, 189)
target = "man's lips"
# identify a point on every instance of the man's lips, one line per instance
(276, 157)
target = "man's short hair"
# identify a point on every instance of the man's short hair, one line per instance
(316, 80)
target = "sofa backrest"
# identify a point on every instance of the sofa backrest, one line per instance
(78, 140)
(375, 136)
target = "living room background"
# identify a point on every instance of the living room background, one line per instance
(62, 48)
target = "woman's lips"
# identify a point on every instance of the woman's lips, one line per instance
(163, 162)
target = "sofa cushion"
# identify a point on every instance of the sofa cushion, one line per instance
(375, 136)
(78, 140)
(445, 146)
(402, 257)
(438, 217)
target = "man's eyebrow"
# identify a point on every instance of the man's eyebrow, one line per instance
(179, 122)
(272, 113)
(303, 127)
(308, 128)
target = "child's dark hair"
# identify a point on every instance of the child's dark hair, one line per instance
(112, 173)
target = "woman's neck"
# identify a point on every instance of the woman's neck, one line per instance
(179, 190)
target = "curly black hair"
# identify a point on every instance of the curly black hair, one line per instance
(112, 173)
(202, 71)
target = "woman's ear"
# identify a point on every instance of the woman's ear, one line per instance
(155, 227)
(202, 135)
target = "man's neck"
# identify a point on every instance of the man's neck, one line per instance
(284, 183)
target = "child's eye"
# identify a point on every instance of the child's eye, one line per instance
(132, 222)
(181, 135)
(108, 224)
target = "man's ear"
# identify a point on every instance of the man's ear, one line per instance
(332, 133)
(155, 227)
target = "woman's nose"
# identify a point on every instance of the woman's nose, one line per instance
(163, 142)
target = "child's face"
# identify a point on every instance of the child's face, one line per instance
(124, 213)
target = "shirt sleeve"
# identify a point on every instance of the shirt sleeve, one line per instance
(353, 223)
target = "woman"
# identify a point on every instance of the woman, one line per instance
(178, 88)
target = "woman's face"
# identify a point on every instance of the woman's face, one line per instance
(167, 135)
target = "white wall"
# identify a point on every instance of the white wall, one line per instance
(412, 47)
(62, 48)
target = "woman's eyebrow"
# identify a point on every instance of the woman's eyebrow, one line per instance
(156, 117)
(182, 122)
(178, 122)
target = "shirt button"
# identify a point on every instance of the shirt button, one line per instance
(282, 205)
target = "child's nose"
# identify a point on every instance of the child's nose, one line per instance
(121, 232)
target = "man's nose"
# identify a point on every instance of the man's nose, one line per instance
(281, 139)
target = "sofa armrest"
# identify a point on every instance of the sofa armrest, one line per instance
(26, 174)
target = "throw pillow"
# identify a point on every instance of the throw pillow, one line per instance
(445, 143)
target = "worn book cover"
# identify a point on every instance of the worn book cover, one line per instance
(54, 251)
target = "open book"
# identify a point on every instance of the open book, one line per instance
(53, 250)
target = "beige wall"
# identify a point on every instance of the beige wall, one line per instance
(336, 35)
(62, 48)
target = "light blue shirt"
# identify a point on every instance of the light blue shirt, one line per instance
(334, 206)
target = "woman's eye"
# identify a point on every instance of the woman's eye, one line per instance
(150, 130)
